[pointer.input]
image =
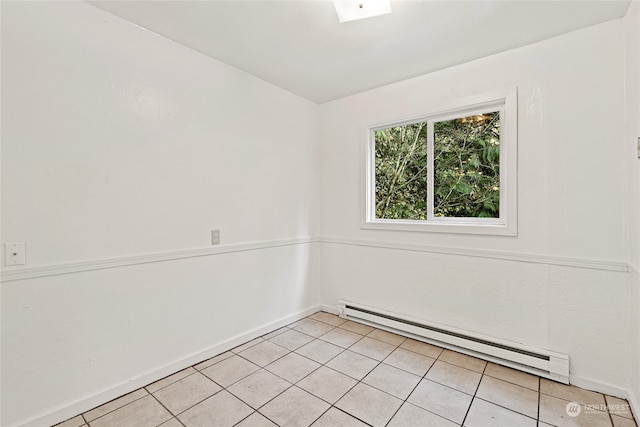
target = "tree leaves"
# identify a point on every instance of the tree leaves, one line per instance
(466, 169)
(401, 177)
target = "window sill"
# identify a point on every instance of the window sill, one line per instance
(476, 228)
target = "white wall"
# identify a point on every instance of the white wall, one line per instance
(118, 143)
(572, 294)
(632, 87)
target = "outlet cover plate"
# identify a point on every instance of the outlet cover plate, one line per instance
(14, 253)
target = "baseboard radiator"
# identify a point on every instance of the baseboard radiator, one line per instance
(544, 363)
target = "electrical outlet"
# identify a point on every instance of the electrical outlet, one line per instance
(215, 237)
(639, 147)
(14, 253)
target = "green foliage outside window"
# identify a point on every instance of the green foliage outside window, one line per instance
(466, 169)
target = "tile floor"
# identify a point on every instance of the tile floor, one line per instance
(324, 371)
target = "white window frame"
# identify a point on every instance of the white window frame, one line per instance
(506, 225)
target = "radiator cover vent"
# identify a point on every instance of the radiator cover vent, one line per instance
(536, 361)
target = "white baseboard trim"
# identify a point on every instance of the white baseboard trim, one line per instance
(599, 386)
(329, 308)
(610, 390)
(634, 402)
(10, 274)
(85, 404)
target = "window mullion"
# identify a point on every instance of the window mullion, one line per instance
(504, 125)
(430, 170)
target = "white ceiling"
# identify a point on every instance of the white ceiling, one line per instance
(301, 47)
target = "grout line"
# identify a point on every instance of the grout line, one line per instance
(231, 354)
(265, 403)
(320, 416)
(474, 393)
(167, 409)
(405, 400)
(178, 420)
(112, 400)
(424, 377)
(171, 383)
(512, 383)
(606, 402)
(351, 415)
(254, 412)
(539, 396)
(195, 404)
(504, 407)
(236, 351)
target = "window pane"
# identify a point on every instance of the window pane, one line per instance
(467, 167)
(401, 172)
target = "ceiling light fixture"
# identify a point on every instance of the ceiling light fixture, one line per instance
(351, 10)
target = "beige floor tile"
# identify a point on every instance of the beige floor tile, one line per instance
(320, 351)
(214, 360)
(292, 367)
(294, 408)
(329, 318)
(171, 423)
(554, 411)
(571, 393)
(230, 370)
(369, 404)
(336, 418)
(463, 360)
(220, 410)
(291, 340)
(341, 337)
(617, 406)
(421, 348)
(327, 384)
(392, 380)
(502, 397)
(352, 364)
(483, 414)
(264, 353)
(153, 387)
(247, 345)
(356, 327)
(511, 396)
(314, 328)
(258, 388)
(409, 361)
(374, 349)
(622, 421)
(182, 395)
(275, 333)
(73, 422)
(145, 412)
(296, 323)
(256, 420)
(115, 404)
(454, 376)
(388, 337)
(441, 400)
(411, 415)
(513, 376)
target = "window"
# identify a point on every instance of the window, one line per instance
(451, 171)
